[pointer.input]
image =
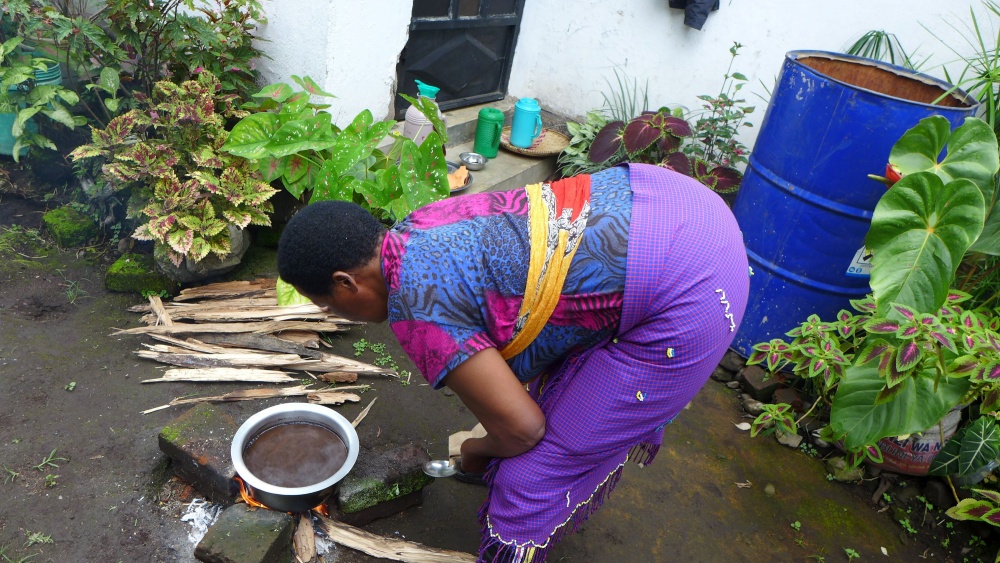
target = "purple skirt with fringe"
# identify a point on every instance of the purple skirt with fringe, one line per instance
(686, 287)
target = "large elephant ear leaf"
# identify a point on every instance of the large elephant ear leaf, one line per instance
(989, 240)
(980, 445)
(972, 152)
(920, 230)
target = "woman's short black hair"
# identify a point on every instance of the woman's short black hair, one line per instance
(325, 237)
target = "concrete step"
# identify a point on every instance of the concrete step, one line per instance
(507, 171)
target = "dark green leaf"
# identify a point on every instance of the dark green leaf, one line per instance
(980, 445)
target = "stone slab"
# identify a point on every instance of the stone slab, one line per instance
(69, 227)
(789, 396)
(757, 384)
(732, 361)
(198, 443)
(136, 273)
(246, 535)
(382, 475)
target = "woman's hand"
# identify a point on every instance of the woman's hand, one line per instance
(513, 422)
(473, 463)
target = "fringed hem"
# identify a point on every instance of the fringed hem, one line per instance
(643, 453)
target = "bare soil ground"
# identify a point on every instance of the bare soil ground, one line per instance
(71, 394)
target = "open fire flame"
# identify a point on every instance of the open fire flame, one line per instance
(246, 494)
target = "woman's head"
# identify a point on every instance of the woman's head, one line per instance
(328, 247)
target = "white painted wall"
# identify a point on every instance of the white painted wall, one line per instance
(565, 55)
(567, 51)
(349, 48)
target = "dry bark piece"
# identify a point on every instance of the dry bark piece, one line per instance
(389, 548)
(266, 342)
(206, 375)
(331, 397)
(338, 377)
(306, 338)
(156, 305)
(361, 416)
(228, 290)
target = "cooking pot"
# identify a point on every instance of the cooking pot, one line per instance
(293, 499)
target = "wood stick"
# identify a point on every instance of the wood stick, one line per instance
(161, 315)
(330, 362)
(198, 360)
(266, 327)
(197, 345)
(389, 548)
(363, 414)
(224, 375)
(241, 395)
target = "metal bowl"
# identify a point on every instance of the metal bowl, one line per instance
(473, 160)
(293, 499)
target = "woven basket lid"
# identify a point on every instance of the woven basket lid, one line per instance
(548, 143)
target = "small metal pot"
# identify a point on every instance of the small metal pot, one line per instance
(289, 499)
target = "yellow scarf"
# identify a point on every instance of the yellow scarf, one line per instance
(557, 217)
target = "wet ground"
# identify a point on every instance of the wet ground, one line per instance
(71, 394)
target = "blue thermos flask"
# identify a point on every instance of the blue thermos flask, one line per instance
(526, 124)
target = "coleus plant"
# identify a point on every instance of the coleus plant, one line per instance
(657, 138)
(912, 353)
(293, 140)
(168, 156)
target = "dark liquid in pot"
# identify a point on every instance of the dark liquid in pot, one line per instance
(295, 455)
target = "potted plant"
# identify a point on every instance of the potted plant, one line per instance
(293, 140)
(195, 200)
(917, 347)
(22, 98)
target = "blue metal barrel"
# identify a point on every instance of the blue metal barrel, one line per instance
(806, 203)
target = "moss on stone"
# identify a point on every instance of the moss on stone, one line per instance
(358, 494)
(69, 227)
(200, 419)
(136, 273)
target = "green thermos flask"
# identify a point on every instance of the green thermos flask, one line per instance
(488, 132)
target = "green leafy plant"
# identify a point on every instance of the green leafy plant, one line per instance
(716, 129)
(708, 151)
(881, 45)
(575, 159)
(36, 538)
(123, 47)
(851, 554)
(912, 352)
(169, 158)
(293, 140)
(51, 481)
(20, 95)
(985, 509)
(49, 461)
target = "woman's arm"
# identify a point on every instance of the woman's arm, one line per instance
(513, 422)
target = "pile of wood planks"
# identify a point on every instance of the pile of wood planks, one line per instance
(237, 332)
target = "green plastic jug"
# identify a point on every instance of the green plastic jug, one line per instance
(488, 132)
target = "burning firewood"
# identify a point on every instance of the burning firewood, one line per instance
(389, 548)
(207, 375)
(304, 541)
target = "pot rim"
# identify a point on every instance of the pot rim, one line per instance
(336, 423)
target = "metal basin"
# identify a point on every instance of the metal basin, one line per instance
(293, 499)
